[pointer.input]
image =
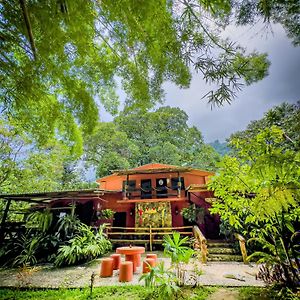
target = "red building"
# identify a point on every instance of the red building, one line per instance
(154, 194)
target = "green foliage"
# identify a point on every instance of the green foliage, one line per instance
(221, 148)
(40, 220)
(58, 60)
(259, 195)
(106, 213)
(193, 213)
(67, 226)
(283, 12)
(134, 139)
(28, 247)
(285, 116)
(176, 248)
(84, 246)
(164, 280)
(134, 292)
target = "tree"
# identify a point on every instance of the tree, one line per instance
(259, 194)
(134, 139)
(286, 116)
(58, 58)
(108, 148)
(221, 148)
(284, 12)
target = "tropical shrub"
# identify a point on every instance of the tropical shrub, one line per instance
(67, 226)
(28, 247)
(193, 214)
(259, 195)
(40, 220)
(84, 246)
(178, 250)
(106, 213)
(165, 282)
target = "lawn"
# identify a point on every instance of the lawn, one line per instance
(138, 292)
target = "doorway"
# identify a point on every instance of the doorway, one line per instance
(161, 188)
(119, 219)
(146, 189)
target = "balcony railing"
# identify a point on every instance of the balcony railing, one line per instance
(153, 193)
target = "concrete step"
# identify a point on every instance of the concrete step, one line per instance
(224, 257)
(219, 250)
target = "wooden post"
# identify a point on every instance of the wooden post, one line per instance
(126, 187)
(73, 209)
(150, 238)
(242, 243)
(179, 186)
(2, 230)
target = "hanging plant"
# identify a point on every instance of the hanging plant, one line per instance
(193, 214)
(106, 214)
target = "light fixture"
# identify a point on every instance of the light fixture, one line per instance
(176, 210)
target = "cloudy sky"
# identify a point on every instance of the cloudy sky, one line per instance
(282, 84)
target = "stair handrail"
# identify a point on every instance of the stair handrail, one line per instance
(200, 238)
(242, 243)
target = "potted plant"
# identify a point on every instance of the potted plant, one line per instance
(193, 214)
(105, 216)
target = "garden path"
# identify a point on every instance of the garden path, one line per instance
(230, 274)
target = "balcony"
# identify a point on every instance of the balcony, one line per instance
(153, 195)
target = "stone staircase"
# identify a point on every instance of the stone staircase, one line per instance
(220, 250)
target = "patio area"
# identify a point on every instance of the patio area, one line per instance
(228, 274)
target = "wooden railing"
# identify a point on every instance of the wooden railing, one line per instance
(146, 234)
(242, 243)
(202, 242)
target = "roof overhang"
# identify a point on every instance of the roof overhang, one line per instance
(153, 171)
(46, 197)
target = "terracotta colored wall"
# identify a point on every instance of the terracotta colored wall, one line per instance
(116, 182)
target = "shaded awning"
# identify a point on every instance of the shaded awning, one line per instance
(152, 171)
(46, 197)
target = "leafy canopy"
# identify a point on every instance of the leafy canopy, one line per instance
(134, 139)
(60, 59)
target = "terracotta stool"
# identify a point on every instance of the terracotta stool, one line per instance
(152, 255)
(126, 271)
(106, 267)
(147, 263)
(138, 260)
(116, 261)
(133, 259)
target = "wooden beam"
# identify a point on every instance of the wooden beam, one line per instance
(2, 229)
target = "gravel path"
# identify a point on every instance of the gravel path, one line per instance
(231, 274)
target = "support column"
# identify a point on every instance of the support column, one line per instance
(2, 230)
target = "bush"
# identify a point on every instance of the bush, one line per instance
(84, 246)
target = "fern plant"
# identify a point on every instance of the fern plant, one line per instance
(40, 220)
(84, 246)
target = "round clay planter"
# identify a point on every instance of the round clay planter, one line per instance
(126, 271)
(116, 261)
(152, 255)
(106, 267)
(147, 263)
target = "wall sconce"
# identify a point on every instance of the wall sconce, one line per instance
(176, 210)
(131, 212)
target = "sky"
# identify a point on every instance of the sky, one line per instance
(281, 85)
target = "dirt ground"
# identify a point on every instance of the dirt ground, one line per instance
(227, 274)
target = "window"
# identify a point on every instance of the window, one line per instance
(131, 184)
(175, 181)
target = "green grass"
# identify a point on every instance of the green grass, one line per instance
(134, 293)
(104, 293)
